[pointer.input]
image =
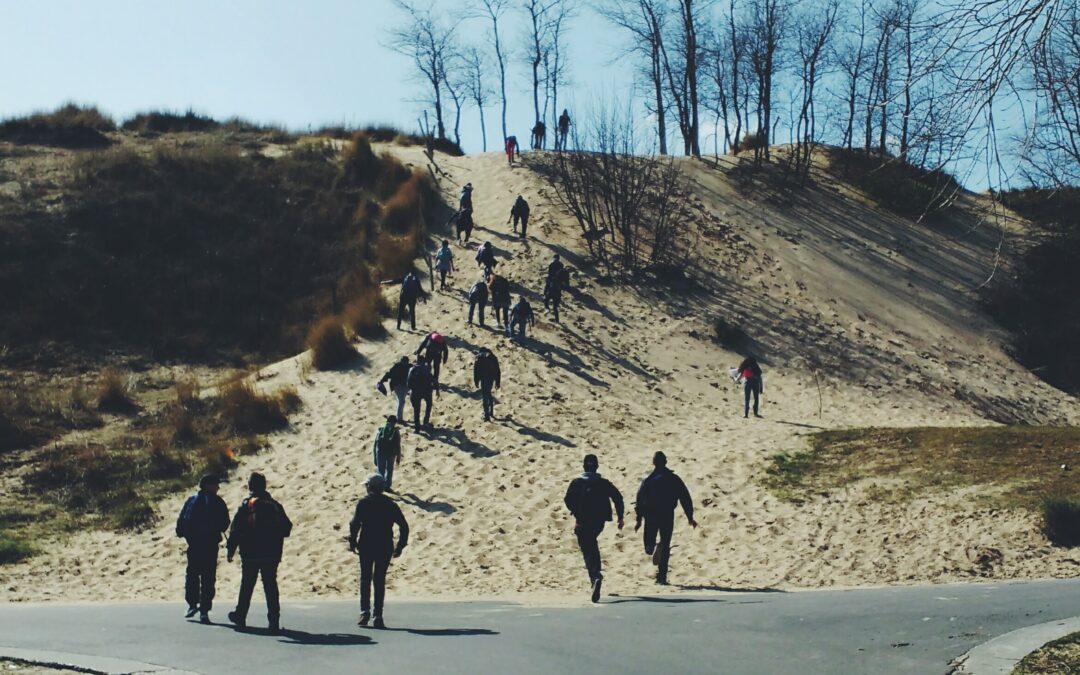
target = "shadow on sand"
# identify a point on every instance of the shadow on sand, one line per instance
(428, 505)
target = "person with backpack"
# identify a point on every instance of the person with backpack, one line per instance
(371, 537)
(520, 212)
(202, 521)
(258, 529)
(397, 377)
(499, 292)
(411, 291)
(465, 200)
(444, 263)
(564, 130)
(436, 352)
(387, 450)
(555, 267)
(511, 150)
(589, 499)
(487, 376)
(463, 224)
(553, 289)
(749, 372)
(478, 297)
(420, 391)
(485, 257)
(520, 315)
(539, 135)
(657, 498)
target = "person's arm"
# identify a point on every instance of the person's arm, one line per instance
(285, 524)
(445, 354)
(235, 532)
(221, 518)
(687, 503)
(498, 376)
(616, 497)
(354, 527)
(639, 503)
(180, 518)
(571, 498)
(403, 531)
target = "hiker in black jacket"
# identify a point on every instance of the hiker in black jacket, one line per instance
(201, 522)
(258, 529)
(436, 352)
(411, 291)
(520, 212)
(487, 375)
(397, 377)
(657, 497)
(371, 536)
(478, 297)
(420, 391)
(589, 498)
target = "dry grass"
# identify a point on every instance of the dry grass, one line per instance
(246, 411)
(330, 347)
(1018, 465)
(1055, 657)
(69, 126)
(113, 394)
(31, 418)
(363, 315)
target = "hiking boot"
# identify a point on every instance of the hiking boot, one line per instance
(274, 628)
(191, 611)
(237, 620)
(204, 618)
(364, 618)
(661, 580)
(757, 415)
(378, 623)
(596, 588)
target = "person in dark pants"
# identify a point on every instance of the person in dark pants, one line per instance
(420, 391)
(387, 450)
(258, 529)
(371, 536)
(463, 224)
(589, 498)
(520, 212)
(564, 129)
(411, 291)
(485, 257)
(436, 352)
(521, 315)
(499, 292)
(397, 377)
(201, 522)
(657, 497)
(478, 297)
(553, 295)
(750, 374)
(487, 375)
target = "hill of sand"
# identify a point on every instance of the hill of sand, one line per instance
(860, 318)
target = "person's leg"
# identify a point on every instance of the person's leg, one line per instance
(442, 279)
(427, 410)
(555, 307)
(524, 225)
(402, 393)
(366, 567)
(388, 474)
(208, 587)
(415, 398)
(757, 392)
(400, 311)
(435, 375)
(380, 463)
(268, 570)
(666, 527)
(381, 566)
(590, 550)
(472, 306)
(746, 398)
(249, 574)
(650, 532)
(486, 397)
(412, 314)
(191, 578)
(482, 305)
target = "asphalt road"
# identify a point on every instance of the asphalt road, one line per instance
(916, 629)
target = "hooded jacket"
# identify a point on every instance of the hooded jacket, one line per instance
(371, 529)
(203, 519)
(660, 492)
(589, 498)
(486, 369)
(420, 379)
(259, 528)
(397, 375)
(434, 350)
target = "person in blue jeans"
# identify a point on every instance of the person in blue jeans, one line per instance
(520, 315)
(750, 374)
(387, 450)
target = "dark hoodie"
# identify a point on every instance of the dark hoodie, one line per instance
(203, 519)
(589, 498)
(486, 369)
(371, 529)
(259, 528)
(397, 375)
(660, 492)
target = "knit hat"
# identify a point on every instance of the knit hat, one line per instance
(207, 480)
(375, 484)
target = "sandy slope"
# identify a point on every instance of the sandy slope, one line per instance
(882, 310)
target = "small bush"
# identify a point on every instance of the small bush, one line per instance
(246, 411)
(182, 425)
(359, 165)
(731, 337)
(330, 347)
(363, 315)
(902, 188)
(289, 399)
(749, 141)
(133, 511)
(13, 550)
(113, 394)
(1061, 520)
(217, 458)
(403, 212)
(158, 121)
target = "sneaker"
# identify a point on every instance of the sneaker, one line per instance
(237, 620)
(378, 623)
(596, 589)
(204, 618)
(191, 611)
(661, 580)
(656, 556)
(364, 618)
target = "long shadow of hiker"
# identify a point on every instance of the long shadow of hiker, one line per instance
(541, 436)
(299, 637)
(428, 505)
(444, 632)
(459, 440)
(563, 358)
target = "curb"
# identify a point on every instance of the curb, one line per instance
(1000, 655)
(103, 665)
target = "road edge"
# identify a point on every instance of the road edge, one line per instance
(87, 663)
(1000, 655)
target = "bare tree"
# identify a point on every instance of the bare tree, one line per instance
(814, 30)
(1053, 152)
(538, 29)
(645, 20)
(455, 77)
(688, 16)
(768, 24)
(556, 64)
(494, 10)
(475, 86)
(427, 41)
(850, 56)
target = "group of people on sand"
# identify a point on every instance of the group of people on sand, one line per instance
(538, 140)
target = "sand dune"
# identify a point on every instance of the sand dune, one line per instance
(882, 310)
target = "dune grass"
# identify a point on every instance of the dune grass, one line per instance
(1020, 466)
(1057, 656)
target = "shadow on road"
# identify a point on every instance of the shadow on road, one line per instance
(443, 632)
(299, 637)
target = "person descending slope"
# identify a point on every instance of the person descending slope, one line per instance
(436, 352)
(444, 263)
(397, 376)
(371, 537)
(750, 372)
(386, 450)
(420, 391)
(520, 212)
(478, 298)
(487, 376)
(657, 497)
(589, 499)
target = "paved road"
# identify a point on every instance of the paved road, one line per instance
(886, 630)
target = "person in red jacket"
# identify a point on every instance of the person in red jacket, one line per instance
(750, 374)
(511, 149)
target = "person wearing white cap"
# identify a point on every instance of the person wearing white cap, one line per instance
(371, 537)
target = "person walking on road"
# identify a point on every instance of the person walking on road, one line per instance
(499, 291)
(201, 522)
(420, 391)
(487, 376)
(657, 497)
(444, 263)
(371, 537)
(436, 352)
(397, 377)
(478, 298)
(520, 315)
(520, 212)
(749, 372)
(258, 529)
(589, 498)
(387, 450)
